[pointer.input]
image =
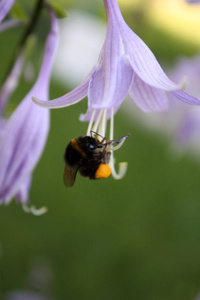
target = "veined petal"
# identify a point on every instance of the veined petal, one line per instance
(5, 6)
(21, 146)
(26, 131)
(140, 56)
(70, 98)
(185, 97)
(113, 74)
(146, 97)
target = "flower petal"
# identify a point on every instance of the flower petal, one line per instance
(140, 56)
(70, 98)
(146, 97)
(26, 131)
(185, 97)
(5, 6)
(2, 127)
(113, 74)
(21, 146)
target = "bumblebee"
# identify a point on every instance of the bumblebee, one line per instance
(89, 156)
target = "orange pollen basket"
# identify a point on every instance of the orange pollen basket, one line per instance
(103, 171)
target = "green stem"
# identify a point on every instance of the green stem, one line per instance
(29, 29)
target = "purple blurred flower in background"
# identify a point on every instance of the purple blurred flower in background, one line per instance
(187, 118)
(25, 295)
(23, 136)
(5, 6)
(125, 66)
(193, 1)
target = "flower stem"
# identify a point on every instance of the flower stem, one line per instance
(27, 32)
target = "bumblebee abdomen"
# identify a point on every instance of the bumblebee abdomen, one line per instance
(72, 156)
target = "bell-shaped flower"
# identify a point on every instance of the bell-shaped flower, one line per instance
(193, 1)
(187, 119)
(24, 135)
(5, 6)
(125, 66)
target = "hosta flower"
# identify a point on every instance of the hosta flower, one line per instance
(125, 66)
(25, 295)
(187, 118)
(193, 1)
(24, 135)
(5, 6)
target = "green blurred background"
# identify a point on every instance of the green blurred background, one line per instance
(136, 238)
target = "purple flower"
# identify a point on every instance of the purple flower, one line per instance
(193, 1)
(25, 295)
(23, 136)
(187, 118)
(5, 6)
(125, 66)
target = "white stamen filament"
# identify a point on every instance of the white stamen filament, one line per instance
(99, 127)
(96, 124)
(102, 125)
(113, 148)
(122, 166)
(111, 124)
(33, 210)
(91, 121)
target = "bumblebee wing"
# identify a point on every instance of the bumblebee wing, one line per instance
(70, 175)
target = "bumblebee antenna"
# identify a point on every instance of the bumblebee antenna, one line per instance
(119, 140)
(97, 134)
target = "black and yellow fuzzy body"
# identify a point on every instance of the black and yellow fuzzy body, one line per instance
(87, 155)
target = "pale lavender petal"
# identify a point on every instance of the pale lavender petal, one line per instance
(2, 127)
(70, 98)
(140, 56)
(185, 97)
(26, 131)
(113, 75)
(146, 97)
(5, 6)
(21, 146)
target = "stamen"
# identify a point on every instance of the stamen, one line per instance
(113, 148)
(91, 121)
(119, 142)
(33, 210)
(102, 125)
(122, 166)
(121, 172)
(99, 128)
(96, 124)
(111, 124)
